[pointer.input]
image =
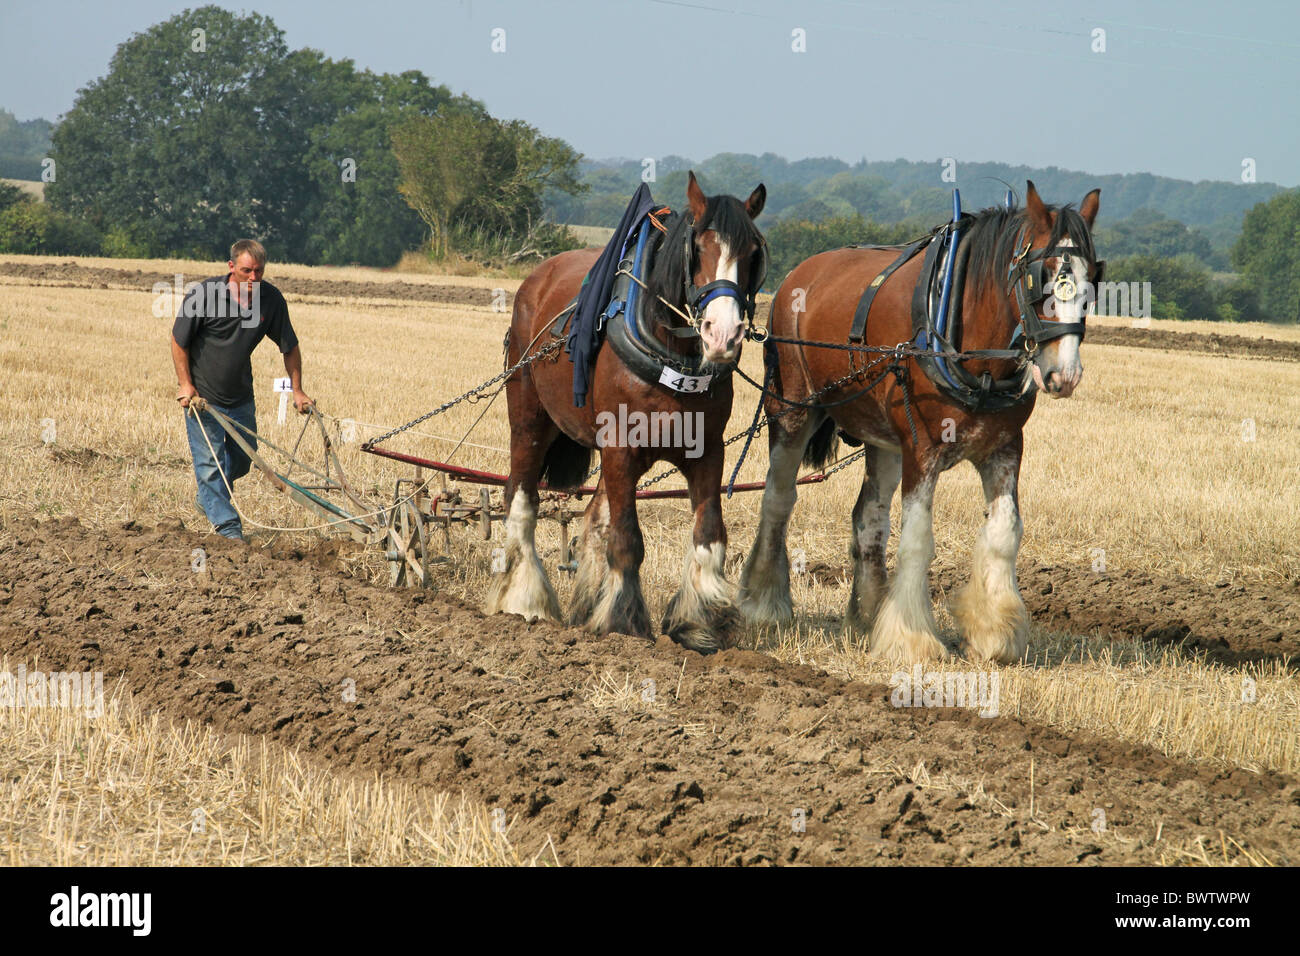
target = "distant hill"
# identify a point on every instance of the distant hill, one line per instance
(897, 190)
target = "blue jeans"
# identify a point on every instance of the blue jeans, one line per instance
(231, 461)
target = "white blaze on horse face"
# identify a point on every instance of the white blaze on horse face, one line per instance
(1061, 356)
(722, 325)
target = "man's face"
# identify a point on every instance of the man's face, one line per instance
(246, 269)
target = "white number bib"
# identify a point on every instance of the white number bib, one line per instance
(684, 383)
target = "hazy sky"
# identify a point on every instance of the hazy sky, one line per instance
(1187, 89)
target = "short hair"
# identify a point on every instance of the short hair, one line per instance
(252, 247)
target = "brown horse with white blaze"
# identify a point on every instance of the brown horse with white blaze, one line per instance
(706, 267)
(1009, 256)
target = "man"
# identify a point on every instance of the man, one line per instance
(219, 324)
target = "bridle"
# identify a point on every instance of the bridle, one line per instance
(1027, 283)
(698, 298)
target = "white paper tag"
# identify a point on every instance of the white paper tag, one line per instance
(284, 406)
(284, 385)
(684, 383)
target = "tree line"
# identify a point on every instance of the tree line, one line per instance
(207, 126)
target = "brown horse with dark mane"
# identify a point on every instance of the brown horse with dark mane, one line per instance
(706, 267)
(923, 420)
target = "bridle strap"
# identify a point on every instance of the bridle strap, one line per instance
(1026, 278)
(698, 298)
(721, 289)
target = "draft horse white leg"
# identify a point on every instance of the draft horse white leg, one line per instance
(523, 588)
(702, 615)
(904, 631)
(989, 609)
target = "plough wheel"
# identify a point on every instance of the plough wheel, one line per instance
(408, 546)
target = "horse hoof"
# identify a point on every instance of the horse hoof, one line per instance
(698, 640)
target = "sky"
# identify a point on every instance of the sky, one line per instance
(1188, 89)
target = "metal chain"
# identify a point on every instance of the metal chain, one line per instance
(477, 390)
(739, 436)
(844, 463)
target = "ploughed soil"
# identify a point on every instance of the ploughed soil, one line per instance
(71, 275)
(1240, 346)
(728, 758)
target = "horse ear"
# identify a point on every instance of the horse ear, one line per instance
(695, 198)
(754, 204)
(1088, 208)
(1038, 214)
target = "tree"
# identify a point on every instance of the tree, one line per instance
(868, 196)
(1151, 233)
(464, 168)
(446, 161)
(789, 242)
(1268, 254)
(359, 215)
(1180, 287)
(196, 135)
(33, 228)
(10, 195)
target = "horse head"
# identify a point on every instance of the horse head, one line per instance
(1052, 278)
(716, 276)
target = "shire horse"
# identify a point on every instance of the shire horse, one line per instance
(708, 264)
(1003, 252)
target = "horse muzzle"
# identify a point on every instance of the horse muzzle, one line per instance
(1058, 382)
(721, 341)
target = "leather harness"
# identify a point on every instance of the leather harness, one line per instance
(627, 322)
(1026, 283)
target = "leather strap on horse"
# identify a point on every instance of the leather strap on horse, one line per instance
(978, 393)
(869, 296)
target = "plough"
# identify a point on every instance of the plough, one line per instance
(404, 526)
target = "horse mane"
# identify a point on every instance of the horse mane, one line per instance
(992, 238)
(725, 215)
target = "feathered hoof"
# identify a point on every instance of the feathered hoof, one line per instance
(712, 629)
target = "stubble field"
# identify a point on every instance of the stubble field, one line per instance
(1155, 721)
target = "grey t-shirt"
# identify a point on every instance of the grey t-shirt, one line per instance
(221, 335)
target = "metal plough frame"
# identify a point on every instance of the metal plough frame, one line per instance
(403, 527)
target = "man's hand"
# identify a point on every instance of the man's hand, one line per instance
(184, 393)
(301, 402)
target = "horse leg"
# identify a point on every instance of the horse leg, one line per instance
(620, 606)
(702, 616)
(765, 580)
(904, 629)
(593, 561)
(989, 609)
(870, 535)
(522, 587)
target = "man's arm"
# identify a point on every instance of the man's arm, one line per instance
(293, 365)
(185, 389)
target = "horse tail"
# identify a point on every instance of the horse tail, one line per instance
(821, 447)
(566, 463)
